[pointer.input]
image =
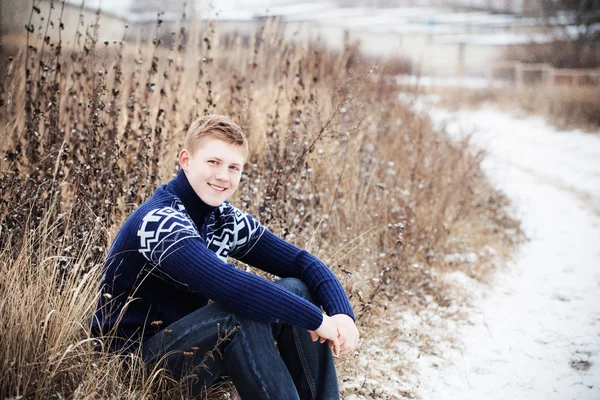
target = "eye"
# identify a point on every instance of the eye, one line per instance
(213, 162)
(233, 167)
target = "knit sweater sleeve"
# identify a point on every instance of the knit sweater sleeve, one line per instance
(276, 256)
(170, 242)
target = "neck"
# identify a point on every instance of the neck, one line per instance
(195, 207)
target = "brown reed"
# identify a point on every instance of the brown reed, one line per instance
(337, 165)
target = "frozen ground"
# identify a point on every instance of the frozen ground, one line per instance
(466, 82)
(535, 332)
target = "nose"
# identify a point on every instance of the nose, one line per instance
(221, 175)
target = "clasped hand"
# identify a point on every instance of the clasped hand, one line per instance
(340, 331)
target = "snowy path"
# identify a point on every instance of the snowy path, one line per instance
(535, 333)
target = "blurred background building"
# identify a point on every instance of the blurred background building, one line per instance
(435, 37)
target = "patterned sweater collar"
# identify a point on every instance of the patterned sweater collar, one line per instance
(195, 207)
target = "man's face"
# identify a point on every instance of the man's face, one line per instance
(214, 171)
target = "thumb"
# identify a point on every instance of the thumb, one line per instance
(313, 336)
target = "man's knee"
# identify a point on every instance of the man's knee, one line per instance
(296, 286)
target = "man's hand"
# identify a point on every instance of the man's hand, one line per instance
(347, 332)
(327, 331)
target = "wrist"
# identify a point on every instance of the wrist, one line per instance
(322, 321)
(344, 316)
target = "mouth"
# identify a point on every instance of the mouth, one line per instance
(217, 188)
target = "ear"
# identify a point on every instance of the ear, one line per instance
(184, 158)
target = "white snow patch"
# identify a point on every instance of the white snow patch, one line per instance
(475, 82)
(461, 258)
(535, 334)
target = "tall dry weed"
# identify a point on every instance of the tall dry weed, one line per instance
(563, 106)
(337, 165)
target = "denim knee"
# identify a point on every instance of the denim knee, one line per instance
(296, 286)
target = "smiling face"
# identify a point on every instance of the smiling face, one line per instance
(214, 169)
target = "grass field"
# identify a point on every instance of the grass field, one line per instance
(337, 166)
(563, 106)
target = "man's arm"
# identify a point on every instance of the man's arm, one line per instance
(278, 257)
(169, 241)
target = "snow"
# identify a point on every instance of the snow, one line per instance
(299, 10)
(494, 39)
(407, 20)
(335, 14)
(535, 332)
(473, 17)
(570, 160)
(361, 21)
(473, 82)
(220, 14)
(119, 8)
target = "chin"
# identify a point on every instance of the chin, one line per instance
(212, 201)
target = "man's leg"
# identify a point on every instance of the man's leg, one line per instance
(208, 342)
(310, 363)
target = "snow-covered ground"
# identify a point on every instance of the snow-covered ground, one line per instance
(465, 82)
(535, 332)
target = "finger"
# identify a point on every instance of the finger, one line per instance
(322, 340)
(348, 347)
(343, 344)
(352, 341)
(351, 345)
(313, 336)
(336, 346)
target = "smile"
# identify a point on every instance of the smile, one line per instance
(218, 188)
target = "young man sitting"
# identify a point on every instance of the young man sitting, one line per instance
(170, 257)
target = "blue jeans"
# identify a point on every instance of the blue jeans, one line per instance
(212, 342)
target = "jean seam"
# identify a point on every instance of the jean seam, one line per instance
(304, 362)
(244, 349)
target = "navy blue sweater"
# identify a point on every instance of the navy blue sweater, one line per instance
(170, 257)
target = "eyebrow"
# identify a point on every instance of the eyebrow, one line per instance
(220, 159)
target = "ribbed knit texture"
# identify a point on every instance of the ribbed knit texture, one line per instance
(283, 259)
(168, 260)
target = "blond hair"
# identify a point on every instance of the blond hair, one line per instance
(217, 127)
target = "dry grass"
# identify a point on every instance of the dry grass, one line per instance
(566, 107)
(582, 53)
(337, 165)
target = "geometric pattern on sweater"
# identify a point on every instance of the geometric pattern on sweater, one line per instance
(229, 232)
(232, 232)
(178, 205)
(161, 230)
